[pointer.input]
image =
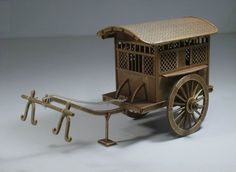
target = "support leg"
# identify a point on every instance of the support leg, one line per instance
(67, 137)
(58, 128)
(106, 141)
(24, 116)
(32, 103)
(33, 121)
(64, 115)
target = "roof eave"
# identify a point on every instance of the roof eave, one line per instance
(111, 30)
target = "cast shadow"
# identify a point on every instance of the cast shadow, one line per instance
(158, 125)
(154, 127)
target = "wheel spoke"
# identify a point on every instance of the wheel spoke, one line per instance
(179, 104)
(185, 121)
(193, 117)
(187, 88)
(199, 99)
(195, 89)
(184, 93)
(198, 93)
(181, 108)
(198, 112)
(181, 121)
(181, 98)
(189, 120)
(179, 116)
(200, 106)
(191, 90)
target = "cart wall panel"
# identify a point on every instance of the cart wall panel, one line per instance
(166, 63)
(135, 80)
(143, 70)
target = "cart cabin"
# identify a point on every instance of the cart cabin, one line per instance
(150, 57)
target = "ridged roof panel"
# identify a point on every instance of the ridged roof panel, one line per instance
(162, 31)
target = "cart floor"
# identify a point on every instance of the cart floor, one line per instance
(139, 107)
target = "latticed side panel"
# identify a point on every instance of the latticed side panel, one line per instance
(123, 60)
(187, 56)
(136, 57)
(199, 55)
(148, 65)
(168, 61)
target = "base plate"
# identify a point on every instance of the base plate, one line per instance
(107, 142)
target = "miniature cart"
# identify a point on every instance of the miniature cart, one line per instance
(157, 64)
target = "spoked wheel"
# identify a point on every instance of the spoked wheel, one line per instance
(188, 104)
(135, 115)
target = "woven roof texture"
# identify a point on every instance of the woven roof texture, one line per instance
(163, 31)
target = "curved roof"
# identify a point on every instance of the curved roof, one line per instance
(163, 31)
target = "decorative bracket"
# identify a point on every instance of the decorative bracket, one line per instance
(137, 90)
(32, 103)
(125, 82)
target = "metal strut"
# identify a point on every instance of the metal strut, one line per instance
(106, 141)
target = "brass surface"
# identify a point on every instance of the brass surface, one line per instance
(106, 141)
(125, 82)
(157, 64)
(67, 114)
(142, 85)
(188, 104)
(63, 116)
(163, 31)
(32, 104)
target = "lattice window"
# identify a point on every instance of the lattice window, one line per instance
(199, 55)
(168, 61)
(148, 65)
(184, 43)
(187, 56)
(137, 57)
(135, 62)
(123, 60)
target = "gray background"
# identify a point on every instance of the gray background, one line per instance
(33, 18)
(51, 46)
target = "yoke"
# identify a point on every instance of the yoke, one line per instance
(66, 113)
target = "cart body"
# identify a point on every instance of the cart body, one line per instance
(151, 57)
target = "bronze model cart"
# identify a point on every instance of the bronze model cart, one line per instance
(157, 64)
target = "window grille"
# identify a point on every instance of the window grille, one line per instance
(123, 60)
(135, 57)
(168, 61)
(199, 55)
(148, 65)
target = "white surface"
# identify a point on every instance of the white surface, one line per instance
(35, 18)
(73, 67)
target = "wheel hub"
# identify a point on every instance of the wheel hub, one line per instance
(191, 105)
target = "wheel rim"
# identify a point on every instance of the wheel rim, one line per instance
(188, 104)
